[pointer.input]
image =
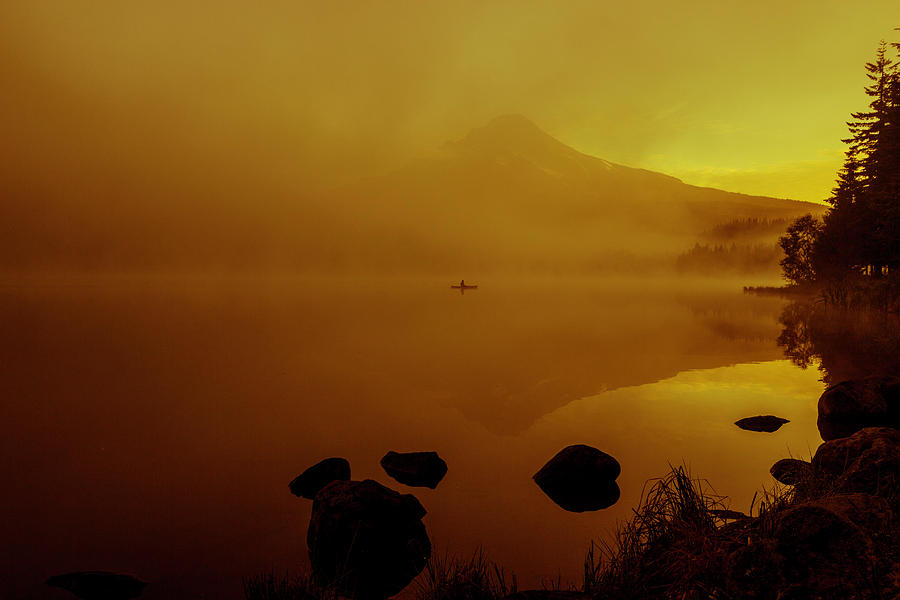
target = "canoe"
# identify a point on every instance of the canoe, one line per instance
(464, 287)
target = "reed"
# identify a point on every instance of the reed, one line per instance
(284, 586)
(453, 578)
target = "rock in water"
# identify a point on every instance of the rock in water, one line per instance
(419, 469)
(764, 423)
(366, 540)
(99, 585)
(308, 483)
(849, 406)
(791, 470)
(580, 478)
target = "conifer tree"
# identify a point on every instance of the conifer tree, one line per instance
(862, 229)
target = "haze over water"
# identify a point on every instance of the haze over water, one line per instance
(228, 232)
(151, 425)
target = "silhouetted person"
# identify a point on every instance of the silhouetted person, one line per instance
(462, 283)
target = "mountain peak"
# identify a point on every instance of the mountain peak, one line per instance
(510, 133)
(516, 138)
(512, 123)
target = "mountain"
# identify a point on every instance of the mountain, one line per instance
(510, 195)
(507, 196)
(513, 139)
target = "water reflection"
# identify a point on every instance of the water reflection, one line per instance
(231, 390)
(843, 344)
(593, 495)
(462, 286)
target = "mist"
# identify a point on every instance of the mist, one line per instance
(163, 136)
(237, 239)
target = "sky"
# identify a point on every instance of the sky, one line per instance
(745, 96)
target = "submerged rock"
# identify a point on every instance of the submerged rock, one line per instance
(868, 461)
(419, 469)
(763, 423)
(849, 406)
(580, 478)
(310, 481)
(99, 585)
(366, 540)
(790, 471)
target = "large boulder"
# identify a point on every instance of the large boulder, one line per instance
(869, 513)
(791, 471)
(762, 423)
(580, 478)
(308, 483)
(813, 550)
(757, 569)
(891, 582)
(849, 406)
(418, 469)
(868, 461)
(99, 585)
(365, 540)
(823, 550)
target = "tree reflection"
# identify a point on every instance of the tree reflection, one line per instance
(844, 344)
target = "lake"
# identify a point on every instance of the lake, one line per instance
(151, 424)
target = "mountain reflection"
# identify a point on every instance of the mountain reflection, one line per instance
(261, 377)
(512, 356)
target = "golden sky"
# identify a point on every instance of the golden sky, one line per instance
(745, 96)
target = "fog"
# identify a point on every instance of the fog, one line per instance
(227, 232)
(301, 136)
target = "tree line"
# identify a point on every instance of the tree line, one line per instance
(719, 258)
(856, 244)
(746, 228)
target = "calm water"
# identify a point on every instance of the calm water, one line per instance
(151, 426)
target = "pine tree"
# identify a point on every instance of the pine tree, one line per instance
(866, 127)
(861, 230)
(848, 186)
(885, 188)
(863, 227)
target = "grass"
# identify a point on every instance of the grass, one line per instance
(669, 545)
(444, 578)
(473, 578)
(275, 586)
(675, 546)
(681, 543)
